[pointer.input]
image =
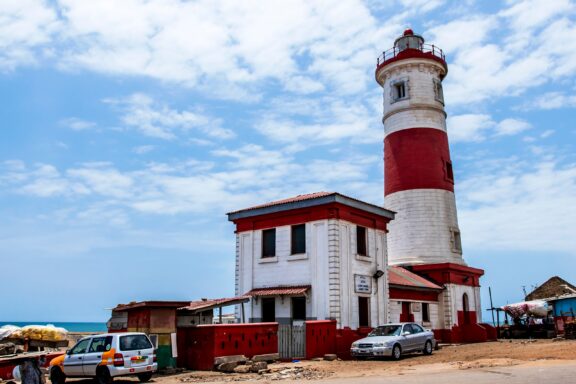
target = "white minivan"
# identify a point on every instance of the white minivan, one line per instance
(105, 357)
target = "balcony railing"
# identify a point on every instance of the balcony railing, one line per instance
(424, 48)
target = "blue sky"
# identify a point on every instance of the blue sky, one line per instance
(130, 128)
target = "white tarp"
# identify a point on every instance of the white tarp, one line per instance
(535, 308)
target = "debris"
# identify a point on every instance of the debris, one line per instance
(227, 367)
(242, 369)
(330, 357)
(258, 366)
(268, 357)
(240, 359)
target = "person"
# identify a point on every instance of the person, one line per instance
(506, 330)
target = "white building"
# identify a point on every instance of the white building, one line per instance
(313, 257)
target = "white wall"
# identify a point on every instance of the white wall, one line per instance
(329, 266)
(421, 230)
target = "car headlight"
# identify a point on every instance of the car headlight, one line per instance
(379, 344)
(355, 345)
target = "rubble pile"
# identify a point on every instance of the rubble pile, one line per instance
(270, 374)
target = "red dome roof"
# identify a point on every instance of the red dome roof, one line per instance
(408, 32)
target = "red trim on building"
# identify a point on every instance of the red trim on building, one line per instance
(304, 215)
(402, 276)
(401, 293)
(413, 54)
(415, 158)
(450, 273)
(277, 291)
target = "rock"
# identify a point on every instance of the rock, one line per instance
(230, 359)
(330, 357)
(268, 357)
(558, 339)
(263, 371)
(258, 366)
(227, 367)
(242, 369)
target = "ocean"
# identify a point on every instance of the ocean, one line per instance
(69, 326)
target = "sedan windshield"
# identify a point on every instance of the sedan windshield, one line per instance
(386, 330)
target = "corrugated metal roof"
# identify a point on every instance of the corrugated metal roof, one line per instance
(206, 304)
(293, 199)
(309, 200)
(402, 276)
(277, 291)
(150, 304)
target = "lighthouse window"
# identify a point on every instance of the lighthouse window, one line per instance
(361, 241)
(269, 243)
(399, 90)
(449, 172)
(456, 241)
(438, 92)
(298, 239)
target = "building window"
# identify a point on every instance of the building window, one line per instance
(399, 90)
(299, 308)
(361, 241)
(268, 309)
(456, 241)
(363, 311)
(425, 313)
(449, 171)
(438, 92)
(298, 239)
(269, 243)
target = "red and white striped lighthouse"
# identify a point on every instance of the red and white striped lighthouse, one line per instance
(419, 185)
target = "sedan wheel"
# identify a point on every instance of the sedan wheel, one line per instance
(396, 352)
(427, 348)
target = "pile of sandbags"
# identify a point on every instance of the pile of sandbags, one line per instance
(34, 332)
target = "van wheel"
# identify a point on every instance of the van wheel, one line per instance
(144, 377)
(57, 376)
(427, 348)
(396, 352)
(103, 376)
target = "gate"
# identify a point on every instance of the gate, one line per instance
(292, 341)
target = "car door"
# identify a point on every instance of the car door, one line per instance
(74, 358)
(410, 338)
(405, 341)
(419, 336)
(93, 355)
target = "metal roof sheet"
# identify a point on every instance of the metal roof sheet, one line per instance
(402, 276)
(277, 291)
(207, 304)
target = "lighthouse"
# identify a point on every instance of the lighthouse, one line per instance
(419, 183)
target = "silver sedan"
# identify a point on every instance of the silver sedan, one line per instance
(393, 340)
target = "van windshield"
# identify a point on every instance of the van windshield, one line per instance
(134, 342)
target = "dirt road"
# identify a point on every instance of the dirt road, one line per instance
(486, 362)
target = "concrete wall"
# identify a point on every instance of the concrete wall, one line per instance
(329, 266)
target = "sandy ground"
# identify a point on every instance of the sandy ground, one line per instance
(453, 358)
(457, 357)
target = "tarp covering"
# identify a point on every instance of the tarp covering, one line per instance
(34, 332)
(535, 308)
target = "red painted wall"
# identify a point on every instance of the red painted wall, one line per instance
(406, 294)
(198, 346)
(414, 159)
(303, 215)
(450, 273)
(320, 338)
(344, 339)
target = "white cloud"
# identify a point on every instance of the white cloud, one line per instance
(468, 127)
(508, 127)
(509, 206)
(143, 149)
(477, 127)
(77, 124)
(25, 25)
(553, 100)
(151, 118)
